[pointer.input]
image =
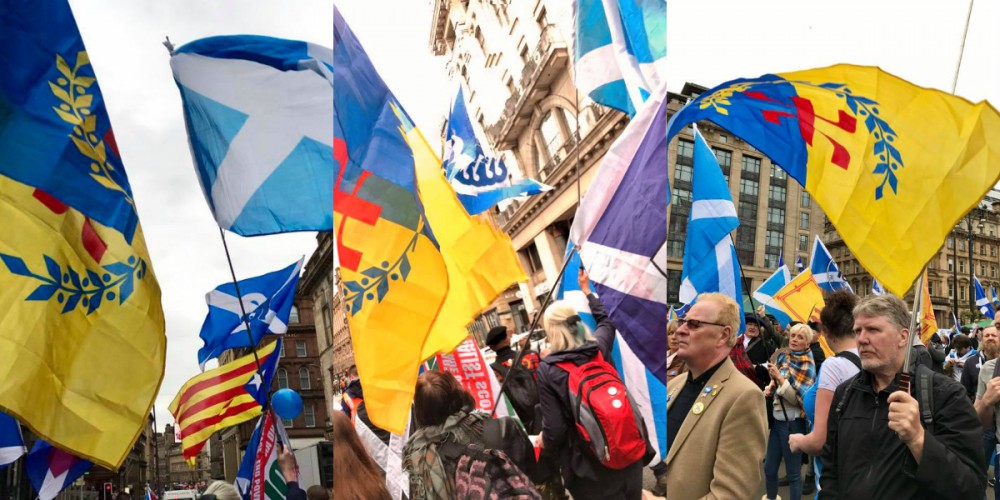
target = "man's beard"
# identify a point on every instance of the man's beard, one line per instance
(991, 349)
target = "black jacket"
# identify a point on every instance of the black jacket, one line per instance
(863, 458)
(559, 434)
(354, 391)
(970, 375)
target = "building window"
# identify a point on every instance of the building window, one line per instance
(685, 152)
(293, 317)
(304, 379)
(930, 288)
(749, 187)
(725, 159)
(748, 214)
(746, 244)
(774, 241)
(682, 197)
(534, 260)
(777, 172)
(776, 193)
(287, 423)
(951, 265)
(803, 243)
(804, 220)
(282, 379)
(310, 415)
(961, 246)
(683, 173)
(300, 349)
(673, 285)
(676, 233)
(950, 242)
(951, 290)
(723, 138)
(776, 215)
(751, 165)
(550, 133)
(961, 266)
(524, 54)
(510, 86)
(805, 200)
(963, 293)
(328, 323)
(542, 19)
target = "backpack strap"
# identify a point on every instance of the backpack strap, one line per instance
(850, 356)
(925, 389)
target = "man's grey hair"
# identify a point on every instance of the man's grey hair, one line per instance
(888, 306)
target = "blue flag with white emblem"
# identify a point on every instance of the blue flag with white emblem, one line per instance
(710, 262)
(982, 302)
(267, 300)
(260, 383)
(766, 292)
(479, 180)
(11, 442)
(258, 114)
(825, 270)
(620, 50)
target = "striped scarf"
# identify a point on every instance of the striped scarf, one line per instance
(799, 368)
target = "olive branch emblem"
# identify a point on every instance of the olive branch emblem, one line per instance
(88, 288)
(71, 89)
(378, 278)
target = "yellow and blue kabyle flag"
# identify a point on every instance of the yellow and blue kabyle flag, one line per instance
(893, 165)
(82, 345)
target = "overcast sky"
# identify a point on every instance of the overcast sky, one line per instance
(133, 68)
(709, 42)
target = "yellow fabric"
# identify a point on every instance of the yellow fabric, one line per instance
(928, 323)
(801, 298)
(84, 382)
(827, 351)
(950, 151)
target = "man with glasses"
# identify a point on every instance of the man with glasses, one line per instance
(716, 422)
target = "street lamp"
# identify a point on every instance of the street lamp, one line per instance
(954, 270)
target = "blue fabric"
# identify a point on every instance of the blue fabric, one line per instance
(244, 476)
(266, 298)
(982, 302)
(260, 384)
(11, 442)
(778, 451)
(767, 290)
(480, 181)
(45, 457)
(825, 270)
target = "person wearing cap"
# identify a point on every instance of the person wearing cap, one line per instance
(521, 390)
(752, 351)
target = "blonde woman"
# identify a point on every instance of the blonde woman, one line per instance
(570, 340)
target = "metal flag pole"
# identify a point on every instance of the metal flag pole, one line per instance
(246, 321)
(906, 371)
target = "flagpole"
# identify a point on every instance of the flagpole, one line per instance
(246, 321)
(905, 372)
(744, 277)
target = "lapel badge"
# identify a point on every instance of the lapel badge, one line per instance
(698, 408)
(715, 390)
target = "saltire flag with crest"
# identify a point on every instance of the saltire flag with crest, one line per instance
(416, 269)
(982, 302)
(218, 398)
(620, 230)
(479, 180)
(643, 386)
(259, 476)
(11, 441)
(257, 111)
(267, 300)
(76, 285)
(710, 262)
(824, 269)
(892, 165)
(620, 50)
(51, 469)
(767, 290)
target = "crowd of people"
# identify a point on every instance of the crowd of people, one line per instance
(826, 397)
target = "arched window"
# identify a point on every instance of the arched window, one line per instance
(282, 379)
(304, 378)
(293, 317)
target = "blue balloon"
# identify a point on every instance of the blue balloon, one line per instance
(287, 403)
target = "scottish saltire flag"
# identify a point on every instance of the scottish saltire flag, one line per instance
(82, 346)
(621, 231)
(259, 476)
(995, 300)
(51, 470)
(799, 264)
(620, 50)
(885, 159)
(646, 390)
(11, 442)
(781, 260)
(260, 383)
(766, 292)
(825, 270)
(877, 288)
(479, 180)
(268, 301)
(416, 268)
(954, 321)
(982, 302)
(710, 262)
(258, 115)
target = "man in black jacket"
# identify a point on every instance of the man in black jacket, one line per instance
(876, 445)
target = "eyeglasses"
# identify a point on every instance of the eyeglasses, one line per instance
(694, 324)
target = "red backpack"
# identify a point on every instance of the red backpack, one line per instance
(605, 415)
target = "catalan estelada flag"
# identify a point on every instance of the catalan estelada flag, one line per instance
(801, 298)
(415, 268)
(928, 323)
(216, 399)
(82, 345)
(892, 164)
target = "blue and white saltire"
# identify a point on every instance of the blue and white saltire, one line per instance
(877, 288)
(260, 383)
(621, 231)
(479, 180)
(995, 299)
(710, 262)
(258, 114)
(954, 320)
(268, 301)
(800, 265)
(982, 302)
(766, 292)
(825, 270)
(645, 389)
(620, 50)
(781, 260)
(11, 441)
(51, 470)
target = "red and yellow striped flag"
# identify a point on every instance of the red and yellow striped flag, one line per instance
(215, 400)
